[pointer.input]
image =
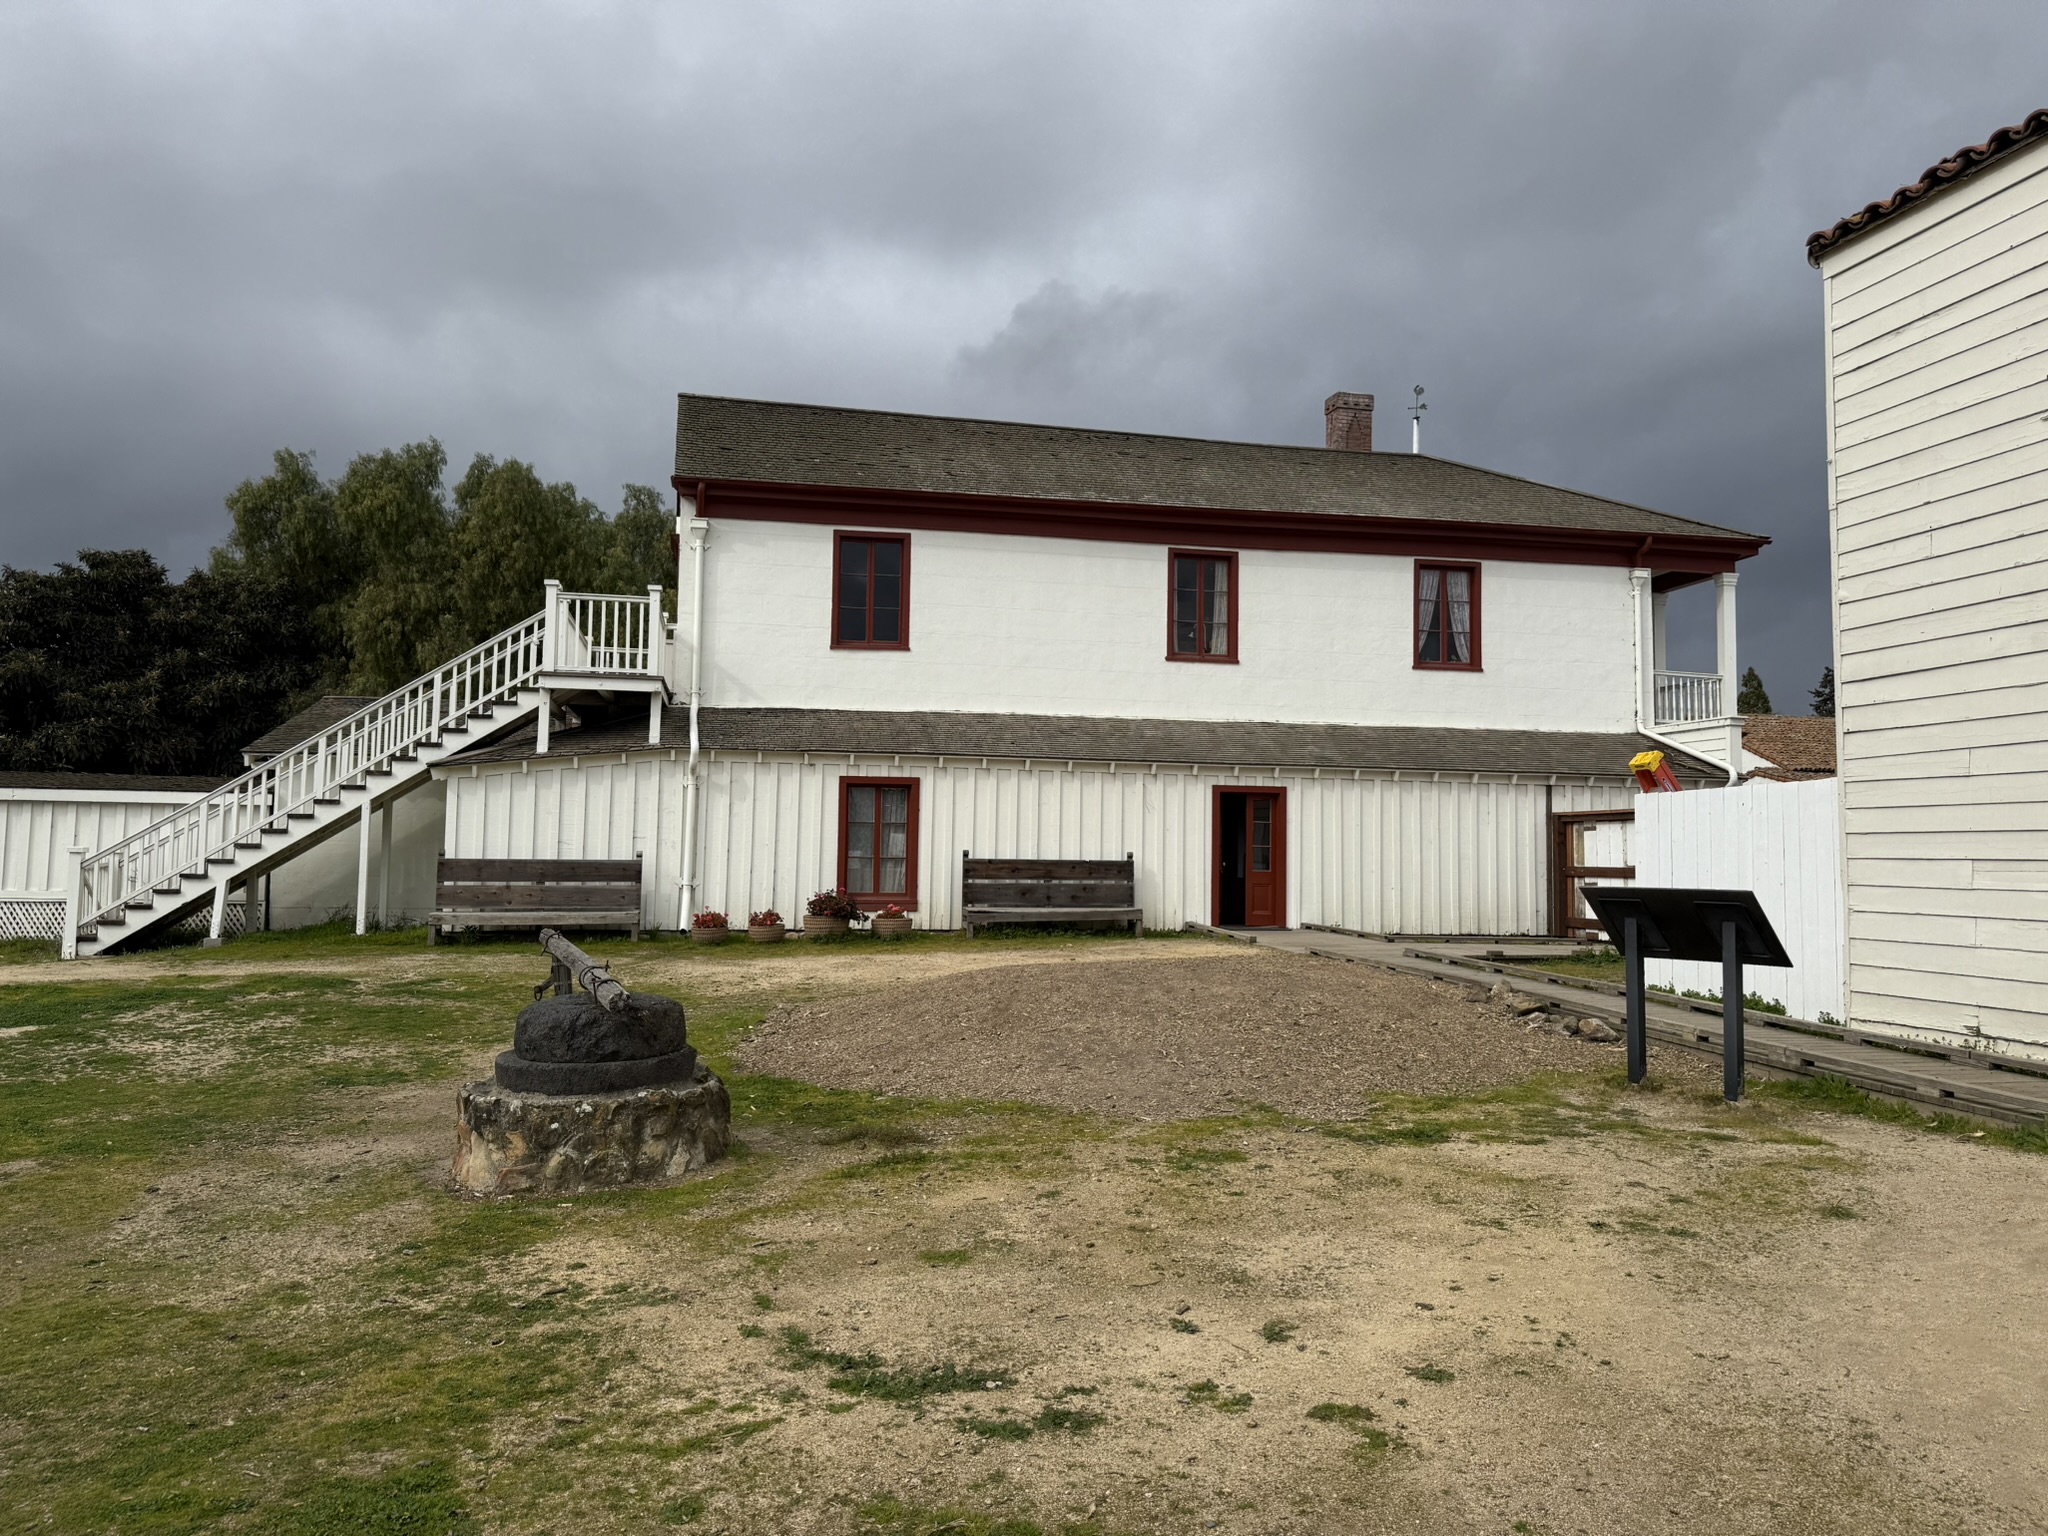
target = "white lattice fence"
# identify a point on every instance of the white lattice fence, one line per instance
(31, 918)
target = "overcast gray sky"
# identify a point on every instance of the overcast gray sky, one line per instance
(226, 228)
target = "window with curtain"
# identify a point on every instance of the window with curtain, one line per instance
(878, 841)
(1447, 616)
(1203, 622)
(871, 583)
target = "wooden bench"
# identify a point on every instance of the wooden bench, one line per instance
(1097, 892)
(536, 893)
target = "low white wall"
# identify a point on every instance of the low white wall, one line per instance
(320, 884)
(1782, 841)
(1417, 854)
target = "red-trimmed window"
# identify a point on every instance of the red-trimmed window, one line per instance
(878, 842)
(871, 591)
(1447, 616)
(1201, 605)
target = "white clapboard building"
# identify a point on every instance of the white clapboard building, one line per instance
(1297, 685)
(1937, 368)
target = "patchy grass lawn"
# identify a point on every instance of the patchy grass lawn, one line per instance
(237, 1296)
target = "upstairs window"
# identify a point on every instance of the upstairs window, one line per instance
(1201, 615)
(871, 591)
(878, 841)
(1447, 616)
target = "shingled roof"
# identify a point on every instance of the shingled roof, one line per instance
(108, 783)
(329, 709)
(769, 442)
(1943, 173)
(1087, 738)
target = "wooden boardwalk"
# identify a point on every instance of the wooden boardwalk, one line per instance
(1955, 1082)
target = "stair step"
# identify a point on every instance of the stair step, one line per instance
(139, 906)
(298, 816)
(326, 800)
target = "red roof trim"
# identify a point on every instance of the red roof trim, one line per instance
(1943, 173)
(1427, 538)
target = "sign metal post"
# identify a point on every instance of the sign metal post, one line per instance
(1655, 923)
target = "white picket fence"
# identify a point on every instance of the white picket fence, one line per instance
(1782, 841)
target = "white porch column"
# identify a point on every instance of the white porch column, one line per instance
(220, 913)
(1646, 650)
(1724, 639)
(1660, 625)
(363, 865)
(1731, 682)
(547, 708)
(384, 864)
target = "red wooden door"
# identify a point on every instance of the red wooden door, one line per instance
(1265, 900)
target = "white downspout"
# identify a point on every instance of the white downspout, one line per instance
(699, 535)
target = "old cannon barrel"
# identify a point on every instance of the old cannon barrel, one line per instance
(594, 978)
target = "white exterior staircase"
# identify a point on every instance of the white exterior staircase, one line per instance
(180, 864)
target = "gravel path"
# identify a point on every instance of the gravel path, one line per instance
(1165, 1039)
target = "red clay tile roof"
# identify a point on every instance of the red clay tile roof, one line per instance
(1942, 173)
(1798, 746)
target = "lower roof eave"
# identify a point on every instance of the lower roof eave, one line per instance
(1279, 747)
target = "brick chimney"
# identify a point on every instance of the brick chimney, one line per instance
(1347, 422)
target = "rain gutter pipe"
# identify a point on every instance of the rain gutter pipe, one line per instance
(699, 535)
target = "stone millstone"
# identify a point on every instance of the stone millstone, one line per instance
(569, 1044)
(509, 1143)
(574, 1028)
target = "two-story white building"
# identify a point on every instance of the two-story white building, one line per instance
(1369, 690)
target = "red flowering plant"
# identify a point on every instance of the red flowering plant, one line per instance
(892, 910)
(834, 903)
(708, 920)
(765, 919)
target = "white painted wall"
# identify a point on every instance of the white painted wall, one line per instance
(1782, 841)
(1018, 625)
(38, 826)
(1372, 852)
(320, 884)
(1937, 336)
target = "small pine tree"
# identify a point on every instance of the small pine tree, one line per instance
(1752, 700)
(1824, 694)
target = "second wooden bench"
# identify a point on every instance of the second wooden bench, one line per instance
(536, 893)
(1092, 892)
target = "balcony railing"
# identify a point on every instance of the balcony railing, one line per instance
(591, 632)
(1687, 696)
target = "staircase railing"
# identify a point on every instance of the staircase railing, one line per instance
(208, 829)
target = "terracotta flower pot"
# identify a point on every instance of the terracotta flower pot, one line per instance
(766, 933)
(709, 935)
(891, 927)
(824, 927)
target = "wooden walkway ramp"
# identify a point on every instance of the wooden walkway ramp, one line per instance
(1956, 1082)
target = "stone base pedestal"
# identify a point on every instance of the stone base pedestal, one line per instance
(509, 1143)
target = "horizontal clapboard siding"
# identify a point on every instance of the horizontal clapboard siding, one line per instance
(1937, 333)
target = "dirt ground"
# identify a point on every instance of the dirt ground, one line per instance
(1166, 1039)
(1536, 1302)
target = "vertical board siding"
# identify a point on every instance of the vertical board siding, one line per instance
(1782, 841)
(1937, 330)
(1370, 853)
(39, 828)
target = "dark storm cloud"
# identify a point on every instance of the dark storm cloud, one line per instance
(522, 228)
